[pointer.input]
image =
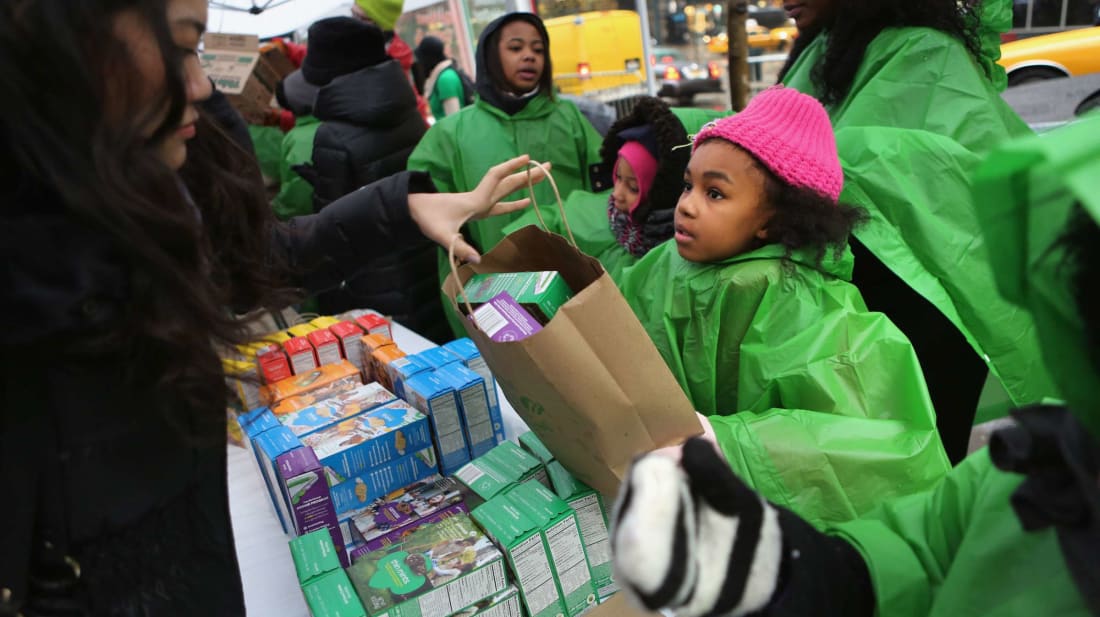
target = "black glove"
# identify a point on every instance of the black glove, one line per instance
(695, 539)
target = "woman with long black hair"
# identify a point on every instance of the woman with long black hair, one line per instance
(912, 89)
(131, 237)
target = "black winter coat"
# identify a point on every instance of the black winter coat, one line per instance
(369, 126)
(144, 512)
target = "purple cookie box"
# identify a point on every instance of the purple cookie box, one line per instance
(395, 536)
(503, 319)
(311, 507)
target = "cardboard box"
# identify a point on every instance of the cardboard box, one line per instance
(351, 347)
(473, 402)
(368, 344)
(326, 346)
(401, 369)
(301, 391)
(523, 466)
(314, 556)
(243, 378)
(303, 358)
(373, 323)
(278, 338)
(380, 362)
(438, 401)
(270, 445)
(305, 489)
(467, 351)
(336, 408)
(301, 330)
(253, 424)
(280, 63)
(485, 479)
(352, 496)
(324, 322)
(273, 363)
(440, 570)
(521, 539)
(504, 604)
(530, 442)
(503, 320)
(562, 535)
(592, 516)
(404, 507)
(332, 595)
(541, 294)
(397, 536)
(370, 439)
(436, 357)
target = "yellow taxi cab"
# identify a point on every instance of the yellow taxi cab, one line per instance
(1063, 54)
(776, 39)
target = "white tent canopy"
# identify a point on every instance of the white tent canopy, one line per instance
(268, 18)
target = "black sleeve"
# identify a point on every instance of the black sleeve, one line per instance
(805, 588)
(326, 248)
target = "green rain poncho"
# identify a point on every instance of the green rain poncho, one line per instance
(295, 196)
(920, 115)
(960, 550)
(816, 402)
(587, 211)
(459, 149)
(265, 141)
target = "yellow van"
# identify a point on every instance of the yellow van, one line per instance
(598, 54)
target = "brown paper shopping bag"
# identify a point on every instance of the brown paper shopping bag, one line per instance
(590, 384)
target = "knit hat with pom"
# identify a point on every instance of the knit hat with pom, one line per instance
(789, 132)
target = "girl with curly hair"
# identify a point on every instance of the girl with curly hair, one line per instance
(817, 402)
(913, 93)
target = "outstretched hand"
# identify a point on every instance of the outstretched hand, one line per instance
(441, 216)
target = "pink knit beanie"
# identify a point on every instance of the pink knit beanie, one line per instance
(789, 132)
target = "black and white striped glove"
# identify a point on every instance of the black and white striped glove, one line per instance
(694, 539)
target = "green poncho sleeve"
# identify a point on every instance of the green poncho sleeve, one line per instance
(919, 118)
(295, 197)
(817, 403)
(959, 549)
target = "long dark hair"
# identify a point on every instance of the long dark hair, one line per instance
(85, 147)
(858, 22)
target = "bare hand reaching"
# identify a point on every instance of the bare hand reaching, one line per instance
(440, 216)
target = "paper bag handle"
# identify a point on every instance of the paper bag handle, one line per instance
(530, 191)
(557, 195)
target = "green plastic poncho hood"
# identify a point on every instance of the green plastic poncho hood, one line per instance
(1026, 192)
(920, 117)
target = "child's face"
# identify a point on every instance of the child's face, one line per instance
(625, 193)
(522, 56)
(722, 211)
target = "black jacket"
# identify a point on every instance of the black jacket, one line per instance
(369, 126)
(143, 511)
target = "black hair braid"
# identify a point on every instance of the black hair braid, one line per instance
(671, 161)
(858, 22)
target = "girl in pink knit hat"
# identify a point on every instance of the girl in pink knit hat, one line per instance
(819, 403)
